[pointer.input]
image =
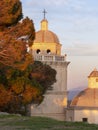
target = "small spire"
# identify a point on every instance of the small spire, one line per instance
(44, 12)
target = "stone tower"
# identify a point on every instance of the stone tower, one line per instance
(47, 49)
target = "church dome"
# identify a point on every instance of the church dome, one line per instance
(89, 96)
(46, 42)
(46, 36)
(86, 98)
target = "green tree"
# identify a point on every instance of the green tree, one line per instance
(43, 74)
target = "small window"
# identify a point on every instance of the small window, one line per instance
(85, 119)
(48, 51)
(38, 51)
(96, 80)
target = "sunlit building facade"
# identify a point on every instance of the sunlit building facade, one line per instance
(84, 107)
(47, 49)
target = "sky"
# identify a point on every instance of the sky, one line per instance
(76, 24)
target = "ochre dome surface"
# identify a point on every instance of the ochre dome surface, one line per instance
(86, 98)
(46, 36)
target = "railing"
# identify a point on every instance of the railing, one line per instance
(39, 57)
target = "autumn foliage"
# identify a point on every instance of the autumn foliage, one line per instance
(13, 11)
(22, 81)
(14, 34)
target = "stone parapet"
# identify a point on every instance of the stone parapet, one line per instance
(42, 58)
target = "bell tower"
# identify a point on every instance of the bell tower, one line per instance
(47, 43)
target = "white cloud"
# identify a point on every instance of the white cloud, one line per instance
(78, 49)
(44, 2)
(58, 2)
(69, 19)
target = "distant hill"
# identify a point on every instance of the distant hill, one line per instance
(73, 92)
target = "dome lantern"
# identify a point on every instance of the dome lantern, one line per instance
(44, 25)
(44, 22)
(46, 41)
(93, 79)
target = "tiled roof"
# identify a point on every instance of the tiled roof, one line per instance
(86, 98)
(46, 36)
(94, 73)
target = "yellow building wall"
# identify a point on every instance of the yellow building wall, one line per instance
(93, 82)
(53, 47)
(44, 25)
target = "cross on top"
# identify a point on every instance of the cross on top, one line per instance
(44, 12)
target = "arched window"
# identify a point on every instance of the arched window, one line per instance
(48, 51)
(38, 51)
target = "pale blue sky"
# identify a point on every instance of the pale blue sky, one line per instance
(76, 24)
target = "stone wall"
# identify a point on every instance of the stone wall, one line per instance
(55, 100)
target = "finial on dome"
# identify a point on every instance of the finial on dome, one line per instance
(95, 69)
(44, 22)
(44, 12)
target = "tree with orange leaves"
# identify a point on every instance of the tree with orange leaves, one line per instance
(14, 34)
(21, 81)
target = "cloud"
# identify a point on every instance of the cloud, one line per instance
(44, 3)
(70, 20)
(58, 2)
(76, 5)
(78, 49)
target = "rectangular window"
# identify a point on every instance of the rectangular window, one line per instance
(96, 80)
(85, 119)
